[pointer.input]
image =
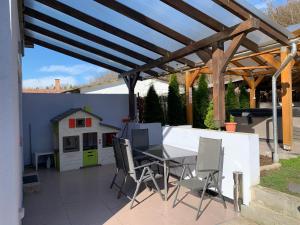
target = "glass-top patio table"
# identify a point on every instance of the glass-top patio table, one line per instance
(165, 154)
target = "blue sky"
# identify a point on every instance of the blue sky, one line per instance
(41, 66)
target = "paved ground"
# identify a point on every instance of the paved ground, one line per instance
(266, 148)
(83, 197)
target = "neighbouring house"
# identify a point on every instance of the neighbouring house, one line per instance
(55, 90)
(119, 87)
(81, 140)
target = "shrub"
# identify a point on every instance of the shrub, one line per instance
(175, 106)
(201, 101)
(231, 100)
(152, 109)
(244, 98)
(209, 119)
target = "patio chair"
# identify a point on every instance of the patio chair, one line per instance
(120, 165)
(140, 174)
(208, 171)
(140, 140)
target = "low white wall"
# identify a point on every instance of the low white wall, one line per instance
(241, 153)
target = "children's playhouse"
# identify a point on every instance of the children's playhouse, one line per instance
(80, 139)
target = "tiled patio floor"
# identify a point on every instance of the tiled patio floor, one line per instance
(83, 197)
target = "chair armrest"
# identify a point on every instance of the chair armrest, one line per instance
(148, 164)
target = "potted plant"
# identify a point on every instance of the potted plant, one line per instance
(231, 125)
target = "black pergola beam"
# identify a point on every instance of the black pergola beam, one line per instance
(89, 36)
(206, 20)
(82, 46)
(59, 6)
(72, 54)
(244, 27)
(243, 13)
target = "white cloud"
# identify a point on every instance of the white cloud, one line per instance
(261, 5)
(48, 81)
(73, 70)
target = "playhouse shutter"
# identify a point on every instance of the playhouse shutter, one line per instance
(71, 123)
(88, 122)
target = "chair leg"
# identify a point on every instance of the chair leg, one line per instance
(176, 195)
(219, 192)
(121, 187)
(155, 184)
(135, 193)
(202, 195)
(114, 179)
(137, 187)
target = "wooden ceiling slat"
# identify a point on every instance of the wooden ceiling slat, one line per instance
(109, 28)
(206, 20)
(72, 54)
(239, 11)
(89, 36)
(227, 34)
(82, 46)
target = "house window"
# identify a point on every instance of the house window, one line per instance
(108, 139)
(71, 143)
(80, 122)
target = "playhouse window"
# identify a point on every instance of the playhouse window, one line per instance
(107, 139)
(80, 122)
(71, 143)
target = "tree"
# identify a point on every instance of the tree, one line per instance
(152, 109)
(209, 118)
(201, 101)
(231, 100)
(175, 106)
(244, 98)
(286, 14)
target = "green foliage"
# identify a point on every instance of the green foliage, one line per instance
(280, 179)
(209, 119)
(153, 111)
(175, 106)
(231, 119)
(231, 100)
(244, 98)
(201, 101)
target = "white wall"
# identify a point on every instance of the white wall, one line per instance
(241, 153)
(10, 139)
(141, 88)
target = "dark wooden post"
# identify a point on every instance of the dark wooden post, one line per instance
(131, 82)
(218, 83)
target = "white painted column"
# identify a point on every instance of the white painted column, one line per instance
(10, 139)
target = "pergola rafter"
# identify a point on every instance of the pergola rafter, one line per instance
(109, 28)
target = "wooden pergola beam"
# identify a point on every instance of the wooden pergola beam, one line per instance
(208, 21)
(89, 36)
(72, 54)
(227, 34)
(241, 12)
(77, 14)
(82, 46)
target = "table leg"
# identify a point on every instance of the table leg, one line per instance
(165, 180)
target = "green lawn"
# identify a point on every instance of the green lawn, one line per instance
(279, 179)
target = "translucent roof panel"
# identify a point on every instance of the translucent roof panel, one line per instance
(137, 42)
(76, 50)
(215, 11)
(84, 26)
(81, 40)
(116, 19)
(159, 11)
